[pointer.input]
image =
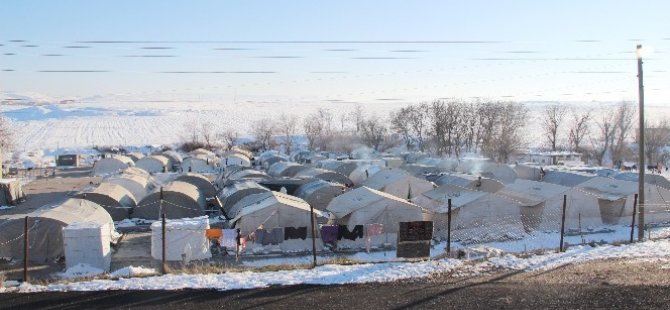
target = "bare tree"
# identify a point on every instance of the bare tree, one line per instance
(207, 133)
(228, 137)
(357, 116)
(288, 127)
(552, 117)
(623, 123)
(263, 130)
(400, 123)
(601, 143)
(7, 142)
(507, 139)
(579, 129)
(318, 128)
(418, 121)
(657, 136)
(373, 132)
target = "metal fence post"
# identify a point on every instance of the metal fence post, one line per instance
(632, 225)
(311, 217)
(565, 198)
(25, 249)
(163, 264)
(449, 226)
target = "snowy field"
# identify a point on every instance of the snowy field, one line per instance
(489, 258)
(121, 120)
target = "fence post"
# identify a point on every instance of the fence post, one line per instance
(632, 225)
(163, 265)
(311, 217)
(449, 226)
(25, 249)
(565, 198)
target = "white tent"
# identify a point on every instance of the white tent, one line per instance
(437, 202)
(397, 182)
(198, 165)
(235, 159)
(614, 198)
(540, 203)
(274, 209)
(112, 165)
(116, 199)
(45, 227)
(137, 184)
(500, 172)
(368, 206)
(235, 191)
(200, 181)
(566, 178)
(154, 164)
(363, 172)
(180, 200)
(323, 174)
(185, 239)
(318, 193)
(470, 182)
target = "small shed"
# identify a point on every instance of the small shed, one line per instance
(67, 160)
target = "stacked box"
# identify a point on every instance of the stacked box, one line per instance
(88, 243)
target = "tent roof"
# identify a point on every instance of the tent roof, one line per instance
(459, 196)
(256, 202)
(566, 178)
(607, 188)
(361, 198)
(532, 192)
(654, 179)
(200, 181)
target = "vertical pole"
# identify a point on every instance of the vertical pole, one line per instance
(632, 225)
(163, 264)
(642, 167)
(449, 226)
(565, 197)
(311, 217)
(25, 249)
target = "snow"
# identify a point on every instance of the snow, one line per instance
(6, 207)
(132, 271)
(80, 271)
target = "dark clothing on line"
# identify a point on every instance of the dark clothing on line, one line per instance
(295, 233)
(343, 232)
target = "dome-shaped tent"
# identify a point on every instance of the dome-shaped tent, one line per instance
(233, 192)
(46, 229)
(112, 165)
(200, 181)
(197, 165)
(319, 193)
(180, 200)
(154, 164)
(136, 184)
(325, 175)
(116, 199)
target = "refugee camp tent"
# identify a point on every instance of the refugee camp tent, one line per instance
(393, 162)
(318, 193)
(364, 205)
(267, 161)
(614, 197)
(540, 203)
(285, 169)
(274, 209)
(566, 178)
(326, 175)
(180, 200)
(235, 159)
(200, 181)
(174, 159)
(114, 198)
(653, 179)
(437, 202)
(186, 238)
(45, 227)
(202, 152)
(470, 182)
(137, 184)
(197, 165)
(288, 186)
(419, 170)
(234, 191)
(154, 164)
(11, 192)
(397, 182)
(112, 165)
(135, 156)
(363, 172)
(533, 173)
(500, 172)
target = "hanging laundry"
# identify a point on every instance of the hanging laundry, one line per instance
(229, 238)
(276, 235)
(343, 232)
(259, 236)
(329, 233)
(370, 231)
(295, 233)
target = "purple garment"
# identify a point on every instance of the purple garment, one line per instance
(329, 233)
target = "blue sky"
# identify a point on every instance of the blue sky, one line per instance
(359, 51)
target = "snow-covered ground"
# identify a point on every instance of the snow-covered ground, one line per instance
(653, 251)
(44, 123)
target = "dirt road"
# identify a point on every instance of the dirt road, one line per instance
(604, 284)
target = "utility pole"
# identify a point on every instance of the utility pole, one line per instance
(642, 167)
